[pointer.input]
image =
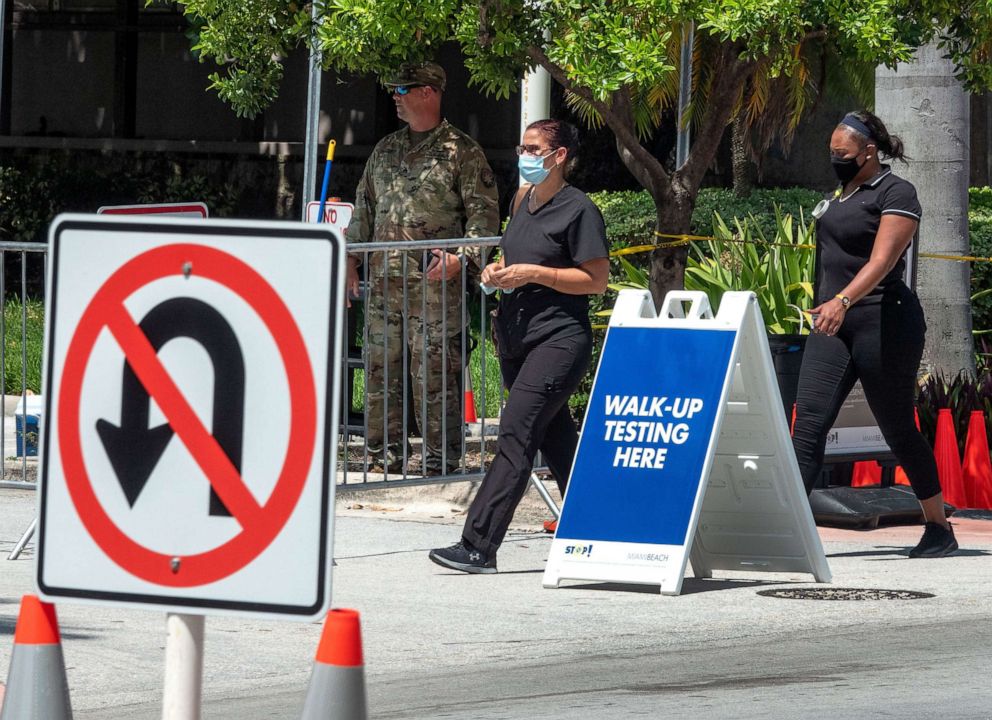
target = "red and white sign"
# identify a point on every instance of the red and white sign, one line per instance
(191, 382)
(190, 209)
(336, 214)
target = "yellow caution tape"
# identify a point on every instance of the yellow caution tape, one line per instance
(956, 258)
(680, 240)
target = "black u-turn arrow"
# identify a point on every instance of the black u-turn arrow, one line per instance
(134, 449)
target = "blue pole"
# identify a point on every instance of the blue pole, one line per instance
(327, 178)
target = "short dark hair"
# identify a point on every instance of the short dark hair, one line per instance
(560, 134)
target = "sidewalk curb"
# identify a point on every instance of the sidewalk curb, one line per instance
(442, 500)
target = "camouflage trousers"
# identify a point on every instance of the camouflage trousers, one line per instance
(420, 333)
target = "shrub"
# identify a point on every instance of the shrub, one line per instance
(980, 227)
(630, 215)
(759, 207)
(33, 317)
(961, 394)
(630, 220)
(31, 198)
(777, 267)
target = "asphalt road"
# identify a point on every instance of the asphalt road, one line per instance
(444, 645)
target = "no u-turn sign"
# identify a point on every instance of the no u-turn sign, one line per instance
(191, 386)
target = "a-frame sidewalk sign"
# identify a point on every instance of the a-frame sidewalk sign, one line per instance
(684, 453)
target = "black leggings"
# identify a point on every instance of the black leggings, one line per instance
(536, 417)
(880, 344)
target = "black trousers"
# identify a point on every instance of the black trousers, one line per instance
(880, 344)
(535, 417)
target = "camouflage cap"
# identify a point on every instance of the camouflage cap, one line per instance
(422, 73)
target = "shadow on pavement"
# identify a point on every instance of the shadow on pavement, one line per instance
(690, 586)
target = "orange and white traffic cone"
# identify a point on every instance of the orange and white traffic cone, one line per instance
(337, 683)
(470, 416)
(945, 451)
(36, 684)
(977, 467)
(901, 477)
(866, 472)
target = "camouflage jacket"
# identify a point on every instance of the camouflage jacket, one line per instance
(441, 188)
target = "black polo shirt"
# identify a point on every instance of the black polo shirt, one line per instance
(845, 233)
(565, 232)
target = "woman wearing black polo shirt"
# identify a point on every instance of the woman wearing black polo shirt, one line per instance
(868, 325)
(555, 254)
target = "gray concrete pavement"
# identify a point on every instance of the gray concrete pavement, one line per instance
(441, 644)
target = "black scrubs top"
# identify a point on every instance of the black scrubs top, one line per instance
(845, 234)
(565, 232)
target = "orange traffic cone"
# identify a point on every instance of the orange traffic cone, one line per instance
(901, 477)
(945, 450)
(977, 467)
(337, 683)
(470, 416)
(866, 472)
(36, 685)
(792, 425)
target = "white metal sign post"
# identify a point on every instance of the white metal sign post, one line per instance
(684, 453)
(191, 383)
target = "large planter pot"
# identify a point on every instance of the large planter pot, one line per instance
(787, 357)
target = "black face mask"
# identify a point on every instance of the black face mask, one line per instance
(847, 169)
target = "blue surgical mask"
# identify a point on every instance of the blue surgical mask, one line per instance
(532, 168)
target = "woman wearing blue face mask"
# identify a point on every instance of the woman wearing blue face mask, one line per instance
(869, 324)
(554, 255)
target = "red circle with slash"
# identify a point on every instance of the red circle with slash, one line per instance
(260, 523)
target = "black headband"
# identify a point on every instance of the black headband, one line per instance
(852, 122)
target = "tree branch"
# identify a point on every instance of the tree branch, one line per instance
(646, 167)
(729, 73)
(651, 175)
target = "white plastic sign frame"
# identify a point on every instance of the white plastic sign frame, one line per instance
(684, 453)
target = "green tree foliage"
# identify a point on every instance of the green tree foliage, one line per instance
(610, 55)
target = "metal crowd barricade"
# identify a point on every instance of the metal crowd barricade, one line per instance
(25, 263)
(401, 279)
(20, 263)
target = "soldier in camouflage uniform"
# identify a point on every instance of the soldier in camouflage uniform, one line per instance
(426, 181)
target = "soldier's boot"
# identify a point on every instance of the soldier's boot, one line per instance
(434, 465)
(388, 459)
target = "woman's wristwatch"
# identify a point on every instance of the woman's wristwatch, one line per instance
(844, 300)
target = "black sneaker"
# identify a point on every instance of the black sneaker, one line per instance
(462, 557)
(937, 541)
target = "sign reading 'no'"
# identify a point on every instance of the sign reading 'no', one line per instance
(191, 384)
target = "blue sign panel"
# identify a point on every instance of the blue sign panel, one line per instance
(647, 429)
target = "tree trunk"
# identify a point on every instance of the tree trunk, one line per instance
(740, 157)
(668, 263)
(923, 104)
